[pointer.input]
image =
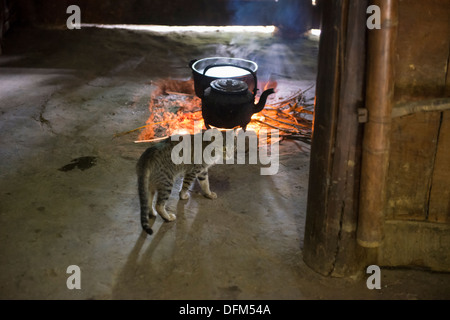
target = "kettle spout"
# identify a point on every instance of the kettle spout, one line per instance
(262, 100)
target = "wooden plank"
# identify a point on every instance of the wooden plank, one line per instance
(447, 80)
(412, 154)
(416, 243)
(423, 45)
(439, 208)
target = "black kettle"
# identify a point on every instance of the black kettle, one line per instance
(228, 103)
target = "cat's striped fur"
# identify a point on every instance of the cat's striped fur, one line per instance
(156, 175)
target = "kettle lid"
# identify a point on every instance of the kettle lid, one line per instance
(229, 86)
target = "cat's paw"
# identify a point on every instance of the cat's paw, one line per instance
(171, 217)
(212, 195)
(184, 195)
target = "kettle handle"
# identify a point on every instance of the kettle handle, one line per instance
(192, 62)
(255, 80)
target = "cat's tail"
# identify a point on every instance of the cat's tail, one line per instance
(144, 202)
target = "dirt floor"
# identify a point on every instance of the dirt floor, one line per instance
(69, 193)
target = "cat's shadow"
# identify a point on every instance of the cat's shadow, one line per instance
(139, 267)
(135, 275)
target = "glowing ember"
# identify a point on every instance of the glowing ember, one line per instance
(175, 109)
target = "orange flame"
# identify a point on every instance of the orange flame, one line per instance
(175, 109)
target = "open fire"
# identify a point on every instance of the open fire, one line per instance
(175, 109)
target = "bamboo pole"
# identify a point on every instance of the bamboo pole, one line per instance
(379, 102)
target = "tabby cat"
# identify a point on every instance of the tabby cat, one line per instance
(157, 172)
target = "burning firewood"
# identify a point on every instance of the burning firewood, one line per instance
(175, 108)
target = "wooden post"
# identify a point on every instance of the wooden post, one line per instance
(344, 188)
(321, 229)
(330, 232)
(379, 102)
